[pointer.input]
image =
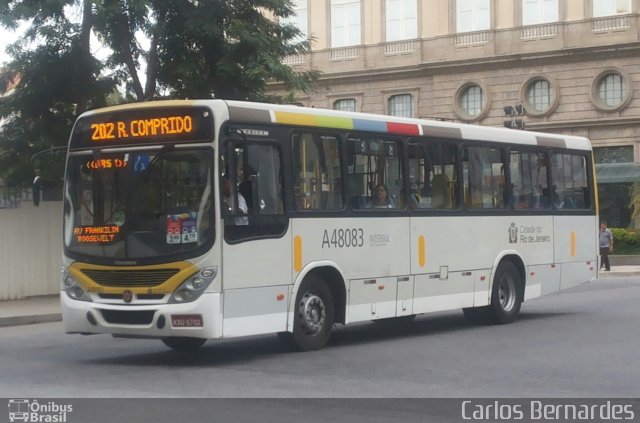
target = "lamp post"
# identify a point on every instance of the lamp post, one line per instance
(515, 115)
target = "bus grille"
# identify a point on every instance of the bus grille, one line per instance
(125, 317)
(130, 278)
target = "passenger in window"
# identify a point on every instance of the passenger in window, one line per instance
(246, 187)
(230, 203)
(380, 198)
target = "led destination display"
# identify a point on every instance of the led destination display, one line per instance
(176, 124)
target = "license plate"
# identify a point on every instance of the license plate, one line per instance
(186, 320)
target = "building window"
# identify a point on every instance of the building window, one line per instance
(610, 7)
(345, 105)
(402, 19)
(473, 15)
(401, 105)
(539, 95)
(472, 101)
(345, 23)
(612, 90)
(616, 154)
(539, 11)
(298, 19)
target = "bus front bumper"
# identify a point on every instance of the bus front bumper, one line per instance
(201, 318)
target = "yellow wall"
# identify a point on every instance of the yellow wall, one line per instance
(317, 12)
(504, 13)
(435, 18)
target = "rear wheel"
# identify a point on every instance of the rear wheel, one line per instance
(313, 314)
(183, 343)
(506, 297)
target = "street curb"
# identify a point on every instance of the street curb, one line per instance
(617, 274)
(30, 319)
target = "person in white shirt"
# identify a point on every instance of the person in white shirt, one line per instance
(230, 203)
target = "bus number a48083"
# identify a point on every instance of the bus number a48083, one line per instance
(343, 238)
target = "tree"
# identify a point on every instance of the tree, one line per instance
(202, 48)
(196, 48)
(51, 84)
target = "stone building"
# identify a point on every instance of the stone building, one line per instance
(574, 66)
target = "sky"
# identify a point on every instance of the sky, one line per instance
(6, 37)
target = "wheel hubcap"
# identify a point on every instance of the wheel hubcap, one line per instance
(507, 292)
(312, 313)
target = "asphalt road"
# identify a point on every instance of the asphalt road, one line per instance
(580, 343)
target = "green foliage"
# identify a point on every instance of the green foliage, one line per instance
(51, 79)
(625, 241)
(196, 48)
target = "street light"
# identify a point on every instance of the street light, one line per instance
(514, 115)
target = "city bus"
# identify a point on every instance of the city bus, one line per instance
(206, 219)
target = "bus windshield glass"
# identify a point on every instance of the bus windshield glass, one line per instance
(139, 204)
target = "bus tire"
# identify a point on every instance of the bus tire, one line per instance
(183, 343)
(506, 295)
(314, 314)
(506, 298)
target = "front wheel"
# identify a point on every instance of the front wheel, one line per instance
(183, 343)
(313, 315)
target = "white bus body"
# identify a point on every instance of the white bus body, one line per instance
(307, 267)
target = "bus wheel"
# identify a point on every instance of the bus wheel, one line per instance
(506, 297)
(314, 314)
(183, 343)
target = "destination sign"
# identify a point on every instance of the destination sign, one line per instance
(143, 126)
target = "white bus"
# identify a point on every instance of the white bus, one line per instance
(193, 220)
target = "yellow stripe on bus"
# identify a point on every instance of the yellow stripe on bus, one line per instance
(184, 271)
(422, 251)
(573, 243)
(297, 253)
(295, 119)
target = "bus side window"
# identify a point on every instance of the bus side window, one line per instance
(375, 175)
(317, 172)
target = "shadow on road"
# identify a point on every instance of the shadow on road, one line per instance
(245, 350)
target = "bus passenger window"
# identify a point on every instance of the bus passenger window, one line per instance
(375, 174)
(484, 177)
(433, 171)
(316, 166)
(570, 182)
(528, 173)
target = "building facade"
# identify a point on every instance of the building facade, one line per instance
(573, 66)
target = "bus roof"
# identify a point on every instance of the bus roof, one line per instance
(325, 118)
(304, 116)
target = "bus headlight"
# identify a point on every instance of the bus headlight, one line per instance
(73, 289)
(192, 288)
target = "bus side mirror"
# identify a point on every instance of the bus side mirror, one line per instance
(36, 189)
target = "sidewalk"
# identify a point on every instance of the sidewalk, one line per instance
(47, 308)
(30, 310)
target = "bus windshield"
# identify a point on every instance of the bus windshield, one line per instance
(139, 204)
